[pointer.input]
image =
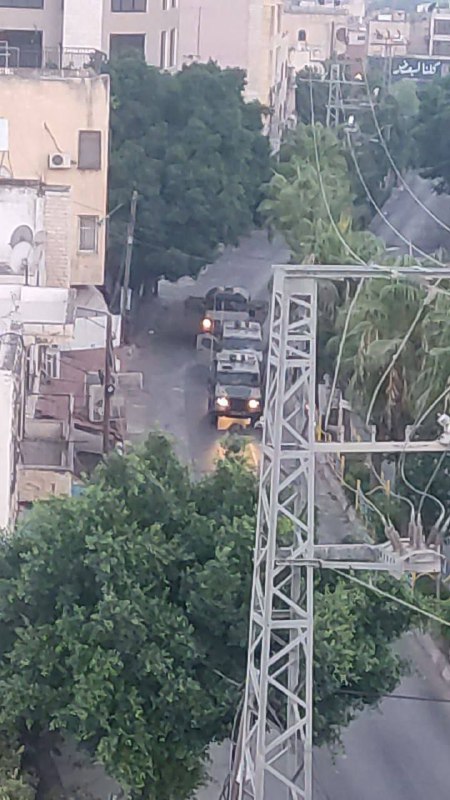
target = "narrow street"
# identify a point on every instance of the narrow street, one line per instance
(398, 752)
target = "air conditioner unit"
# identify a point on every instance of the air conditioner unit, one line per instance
(59, 161)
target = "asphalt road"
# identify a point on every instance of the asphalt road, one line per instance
(405, 214)
(174, 376)
(397, 753)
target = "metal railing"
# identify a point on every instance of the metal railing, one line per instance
(70, 59)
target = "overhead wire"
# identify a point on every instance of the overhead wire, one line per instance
(391, 597)
(429, 297)
(414, 322)
(334, 225)
(397, 171)
(343, 241)
(383, 216)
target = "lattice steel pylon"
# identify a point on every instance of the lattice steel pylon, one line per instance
(274, 753)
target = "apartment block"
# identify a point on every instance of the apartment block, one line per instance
(54, 129)
(249, 34)
(41, 30)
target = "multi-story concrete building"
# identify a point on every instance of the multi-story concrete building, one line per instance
(316, 33)
(388, 34)
(322, 30)
(42, 30)
(53, 173)
(439, 33)
(251, 35)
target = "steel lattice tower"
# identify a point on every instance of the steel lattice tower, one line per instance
(274, 751)
(281, 637)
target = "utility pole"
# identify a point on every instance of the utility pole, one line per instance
(276, 736)
(334, 105)
(108, 387)
(127, 270)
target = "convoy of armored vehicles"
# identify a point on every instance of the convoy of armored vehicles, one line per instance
(231, 337)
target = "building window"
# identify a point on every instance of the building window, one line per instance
(174, 4)
(441, 48)
(173, 47)
(165, 5)
(88, 237)
(279, 18)
(21, 3)
(122, 44)
(442, 27)
(163, 50)
(89, 150)
(301, 35)
(128, 5)
(52, 364)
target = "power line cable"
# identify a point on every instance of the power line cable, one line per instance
(397, 171)
(383, 216)
(425, 302)
(396, 696)
(391, 597)
(322, 187)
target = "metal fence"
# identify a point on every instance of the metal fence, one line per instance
(71, 59)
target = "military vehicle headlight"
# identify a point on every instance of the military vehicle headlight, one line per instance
(222, 402)
(253, 404)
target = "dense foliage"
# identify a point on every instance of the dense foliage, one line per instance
(124, 616)
(431, 130)
(194, 151)
(309, 200)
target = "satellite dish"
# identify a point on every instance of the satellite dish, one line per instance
(22, 234)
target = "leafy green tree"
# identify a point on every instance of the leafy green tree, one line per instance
(430, 131)
(393, 115)
(301, 196)
(15, 783)
(392, 316)
(124, 619)
(303, 97)
(194, 151)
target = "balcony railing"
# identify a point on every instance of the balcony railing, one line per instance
(61, 59)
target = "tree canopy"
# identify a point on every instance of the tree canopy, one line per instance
(194, 150)
(124, 618)
(430, 131)
(294, 201)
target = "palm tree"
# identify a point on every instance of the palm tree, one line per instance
(390, 318)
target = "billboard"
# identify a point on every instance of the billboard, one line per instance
(418, 68)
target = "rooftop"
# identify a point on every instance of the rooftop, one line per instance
(37, 304)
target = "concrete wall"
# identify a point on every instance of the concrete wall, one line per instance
(320, 26)
(47, 214)
(210, 31)
(6, 448)
(45, 116)
(57, 221)
(82, 24)
(395, 37)
(11, 387)
(149, 23)
(47, 19)
(19, 206)
(38, 484)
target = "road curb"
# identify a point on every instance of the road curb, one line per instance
(427, 643)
